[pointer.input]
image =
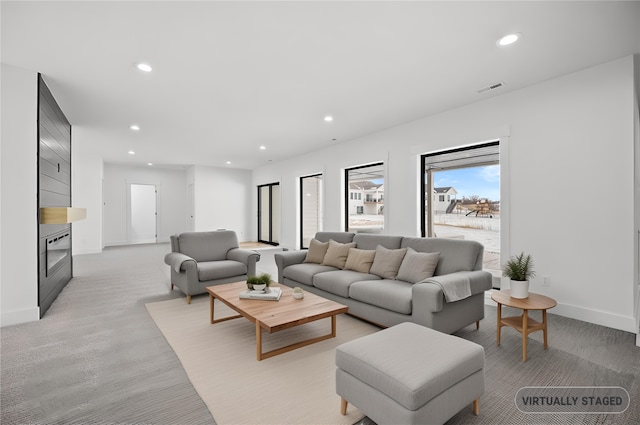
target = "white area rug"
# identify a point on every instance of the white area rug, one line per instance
(297, 387)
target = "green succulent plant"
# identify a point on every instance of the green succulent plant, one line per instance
(519, 267)
(263, 279)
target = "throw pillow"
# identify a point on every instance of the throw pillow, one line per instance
(387, 262)
(337, 254)
(316, 251)
(417, 266)
(360, 260)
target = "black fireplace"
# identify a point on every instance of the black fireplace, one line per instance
(58, 248)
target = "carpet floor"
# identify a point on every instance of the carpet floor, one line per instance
(297, 387)
(97, 357)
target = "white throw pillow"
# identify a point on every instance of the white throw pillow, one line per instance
(417, 266)
(387, 262)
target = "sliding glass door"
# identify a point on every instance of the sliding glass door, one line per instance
(269, 213)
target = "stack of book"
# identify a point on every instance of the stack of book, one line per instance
(272, 294)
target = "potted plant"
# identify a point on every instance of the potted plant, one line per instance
(259, 283)
(519, 269)
(298, 293)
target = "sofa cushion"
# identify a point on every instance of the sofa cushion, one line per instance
(394, 295)
(455, 254)
(337, 254)
(360, 260)
(304, 273)
(417, 266)
(368, 241)
(341, 237)
(338, 282)
(208, 246)
(316, 252)
(210, 270)
(387, 262)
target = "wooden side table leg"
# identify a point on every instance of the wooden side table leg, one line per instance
(544, 327)
(525, 322)
(499, 321)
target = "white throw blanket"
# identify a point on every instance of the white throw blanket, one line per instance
(453, 289)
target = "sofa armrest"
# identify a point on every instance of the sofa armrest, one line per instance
(246, 256)
(179, 261)
(430, 296)
(285, 259)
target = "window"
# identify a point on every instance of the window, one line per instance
(269, 213)
(368, 215)
(311, 208)
(470, 176)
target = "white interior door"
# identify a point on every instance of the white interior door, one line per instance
(143, 213)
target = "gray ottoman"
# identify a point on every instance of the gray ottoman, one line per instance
(410, 374)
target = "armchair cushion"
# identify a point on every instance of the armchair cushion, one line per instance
(209, 270)
(208, 246)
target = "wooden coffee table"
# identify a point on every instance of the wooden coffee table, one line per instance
(273, 316)
(523, 324)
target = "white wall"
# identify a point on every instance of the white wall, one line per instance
(18, 174)
(575, 132)
(86, 192)
(171, 200)
(223, 199)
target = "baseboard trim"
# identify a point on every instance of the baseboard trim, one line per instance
(15, 317)
(602, 318)
(87, 251)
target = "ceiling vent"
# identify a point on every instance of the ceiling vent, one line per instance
(491, 87)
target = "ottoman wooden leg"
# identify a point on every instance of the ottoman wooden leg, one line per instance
(343, 406)
(476, 407)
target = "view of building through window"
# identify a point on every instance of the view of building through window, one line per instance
(462, 197)
(365, 198)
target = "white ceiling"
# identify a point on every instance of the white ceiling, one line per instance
(231, 76)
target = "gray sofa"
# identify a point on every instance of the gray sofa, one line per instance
(201, 259)
(447, 301)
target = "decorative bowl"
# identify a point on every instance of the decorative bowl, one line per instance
(257, 287)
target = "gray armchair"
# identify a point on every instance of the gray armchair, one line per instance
(201, 259)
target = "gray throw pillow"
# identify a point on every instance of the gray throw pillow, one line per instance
(316, 251)
(417, 266)
(387, 262)
(337, 254)
(360, 260)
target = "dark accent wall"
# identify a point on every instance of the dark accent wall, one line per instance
(54, 190)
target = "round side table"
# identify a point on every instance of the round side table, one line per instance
(523, 324)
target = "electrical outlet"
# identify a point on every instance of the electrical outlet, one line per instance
(546, 281)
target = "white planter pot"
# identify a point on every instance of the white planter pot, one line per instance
(519, 288)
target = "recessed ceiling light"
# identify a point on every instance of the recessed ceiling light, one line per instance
(149, 163)
(328, 118)
(134, 127)
(263, 148)
(132, 153)
(509, 39)
(228, 162)
(144, 67)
